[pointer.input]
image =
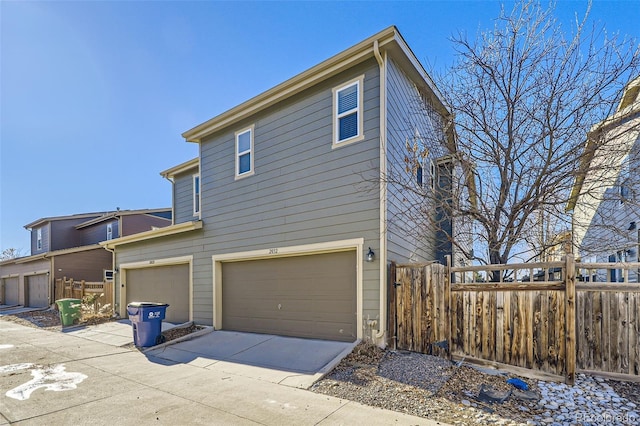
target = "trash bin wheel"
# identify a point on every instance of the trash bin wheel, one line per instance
(160, 339)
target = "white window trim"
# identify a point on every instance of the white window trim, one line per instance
(39, 239)
(359, 82)
(251, 152)
(197, 197)
(109, 231)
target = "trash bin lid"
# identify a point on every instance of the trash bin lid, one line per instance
(146, 304)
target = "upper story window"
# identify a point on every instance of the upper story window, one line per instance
(244, 152)
(39, 239)
(432, 175)
(347, 117)
(624, 178)
(196, 195)
(419, 175)
(109, 231)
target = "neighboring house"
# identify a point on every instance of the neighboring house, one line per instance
(285, 222)
(67, 246)
(606, 200)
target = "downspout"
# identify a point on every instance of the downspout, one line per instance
(380, 336)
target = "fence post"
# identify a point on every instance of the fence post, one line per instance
(391, 309)
(447, 300)
(570, 319)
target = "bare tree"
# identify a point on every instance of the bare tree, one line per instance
(11, 253)
(524, 95)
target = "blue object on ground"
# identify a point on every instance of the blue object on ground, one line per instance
(518, 384)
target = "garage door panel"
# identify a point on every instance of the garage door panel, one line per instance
(163, 284)
(11, 292)
(37, 291)
(305, 296)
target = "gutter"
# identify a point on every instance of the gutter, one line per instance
(383, 193)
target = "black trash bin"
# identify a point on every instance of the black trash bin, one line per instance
(146, 321)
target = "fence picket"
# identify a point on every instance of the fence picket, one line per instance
(550, 327)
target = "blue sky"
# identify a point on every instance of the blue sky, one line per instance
(94, 95)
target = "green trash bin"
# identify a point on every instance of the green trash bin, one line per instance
(69, 310)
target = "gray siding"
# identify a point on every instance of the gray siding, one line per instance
(133, 224)
(96, 233)
(169, 247)
(65, 235)
(411, 236)
(303, 191)
(46, 230)
(183, 198)
(85, 265)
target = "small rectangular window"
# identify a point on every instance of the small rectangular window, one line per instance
(419, 176)
(348, 121)
(432, 174)
(196, 195)
(39, 239)
(109, 231)
(244, 152)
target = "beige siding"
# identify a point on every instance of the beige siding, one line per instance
(21, 271)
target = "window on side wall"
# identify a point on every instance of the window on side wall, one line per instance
(347, 116)
(244, 152)
(432, 175)
(39, 239)
(109, 231)
(196, 195)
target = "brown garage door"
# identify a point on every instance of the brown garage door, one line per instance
(37, 290)
(304, 296)
(11, 294)
(162, 284)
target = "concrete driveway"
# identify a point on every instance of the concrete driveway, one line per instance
(59, 378)
(283, 360)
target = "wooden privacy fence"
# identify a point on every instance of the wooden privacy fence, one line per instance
(534, 319)
(66, 288)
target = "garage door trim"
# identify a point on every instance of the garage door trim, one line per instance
(356, 244)
(150, 264)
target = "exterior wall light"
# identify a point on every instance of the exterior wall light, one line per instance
(370, 255)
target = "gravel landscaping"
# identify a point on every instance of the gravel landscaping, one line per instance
(434, 388)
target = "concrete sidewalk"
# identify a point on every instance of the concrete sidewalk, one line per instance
(91, 382)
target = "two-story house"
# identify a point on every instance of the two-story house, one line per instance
(67, 246)
(286, 222)
(606, 198)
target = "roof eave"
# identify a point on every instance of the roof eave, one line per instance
(181, 168)
(154, 233)
(330, 67)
